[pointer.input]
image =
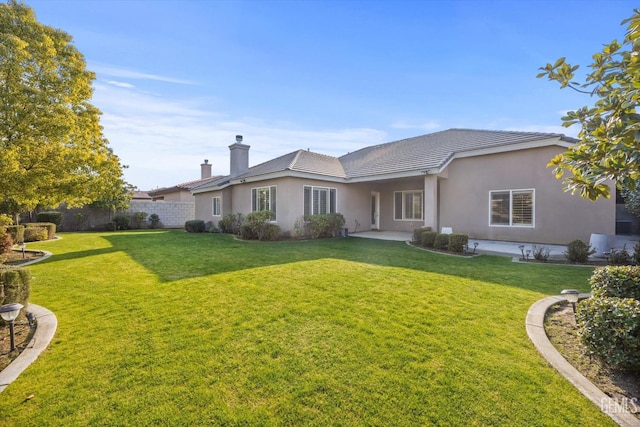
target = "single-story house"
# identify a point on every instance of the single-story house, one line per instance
(488, 184)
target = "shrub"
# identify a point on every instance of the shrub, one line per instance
(272, 232)
(636, 254)
(619, 281)
(258, 226)
(80, 218)
(122, 222)
(16, 232)
(620, 256)
(49, 226)
(457, 242)
(540, 253)
(610, 329)
(231, 223)
(138, 219)
(6, 242)
(441, 242)
(428, 239)
(35, 234)
(15, 285)
(110, 226)
(154, 219)
(417, 234)
(324, 225)
(195, 226)
(52, 217)
(578, 251)
(247, 233)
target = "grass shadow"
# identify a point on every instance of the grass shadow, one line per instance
(175, 255)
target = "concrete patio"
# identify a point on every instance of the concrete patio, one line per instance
(494, 246)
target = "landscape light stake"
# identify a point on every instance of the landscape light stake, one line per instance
(9, 312)
(22, 246)
(572, 296)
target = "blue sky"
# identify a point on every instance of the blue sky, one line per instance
(177, 80)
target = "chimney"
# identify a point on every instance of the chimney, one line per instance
(239, 156)
(205, 170)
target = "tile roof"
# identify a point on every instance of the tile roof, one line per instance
(431, 151)
(412, 154)
(299, 161)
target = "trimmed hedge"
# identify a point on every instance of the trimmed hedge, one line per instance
(52, 217)
(610, 329)
(457, 242)
(417, 234)
(49, 227)
(35, 234)
(616, 281)
(428, 239)
(195, 226)
(16, 232)
(441, 242)
(15, 286)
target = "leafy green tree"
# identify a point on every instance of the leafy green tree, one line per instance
(51, 142)
(609, 147)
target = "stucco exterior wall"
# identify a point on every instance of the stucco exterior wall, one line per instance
(559, 216)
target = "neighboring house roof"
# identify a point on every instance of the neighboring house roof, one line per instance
(185, 186)
(141, 195)
(427, 153)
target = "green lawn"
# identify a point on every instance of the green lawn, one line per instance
(170, 328)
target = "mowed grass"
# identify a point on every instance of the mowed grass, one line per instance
(170, 328)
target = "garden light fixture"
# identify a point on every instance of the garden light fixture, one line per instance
(9, 312)
(22, 246)
(572, 296)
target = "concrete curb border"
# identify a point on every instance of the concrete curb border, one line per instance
(535, 331)
(45, 330)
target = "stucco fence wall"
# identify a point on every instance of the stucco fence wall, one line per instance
(171, 214)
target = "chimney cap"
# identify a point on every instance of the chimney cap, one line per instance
(206, 161)
(238, 138)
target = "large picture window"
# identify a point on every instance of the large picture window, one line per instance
(408, 205)
(264, 199)
(319, 200)
(217, 206)
(512, 208)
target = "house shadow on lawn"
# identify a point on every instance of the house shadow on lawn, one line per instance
(175, 255)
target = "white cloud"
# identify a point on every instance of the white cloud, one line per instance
(120, 84)
(108, 70)
(164, 141)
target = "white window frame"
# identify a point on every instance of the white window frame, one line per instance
(273, 194)
(403, 214)
(219, 206)
(331, 194)
(511, 193)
